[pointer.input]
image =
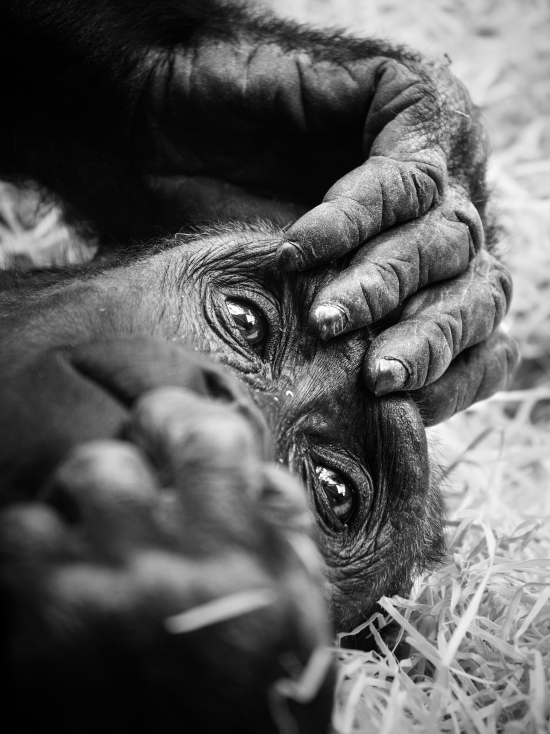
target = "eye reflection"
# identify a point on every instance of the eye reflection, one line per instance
(249, 321)
(337, 491)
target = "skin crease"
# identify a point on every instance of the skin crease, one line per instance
(154, 114)
(143, 115)
(310, 392)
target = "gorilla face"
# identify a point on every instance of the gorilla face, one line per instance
(362, 459)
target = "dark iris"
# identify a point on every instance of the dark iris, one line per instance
(248, 321)
(337, 491)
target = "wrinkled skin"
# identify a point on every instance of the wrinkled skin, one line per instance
(152, 114)
(309, 391)
(143, 116)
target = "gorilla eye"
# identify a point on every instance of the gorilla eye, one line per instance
(338, 492)
(249, 321)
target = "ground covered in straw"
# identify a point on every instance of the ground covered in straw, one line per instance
(477, 633)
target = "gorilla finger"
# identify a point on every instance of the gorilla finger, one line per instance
(108, 487)
(474, 375)
(196, 442)
(284, 499)
(392, 267)
(436, 325)
(379, 194)
(285, 505)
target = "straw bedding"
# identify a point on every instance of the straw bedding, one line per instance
(476, 634)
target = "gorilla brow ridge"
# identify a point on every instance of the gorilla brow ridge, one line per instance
(253, 243)
(143, 250)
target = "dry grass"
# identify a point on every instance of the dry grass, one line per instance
(479, 629)
(32, 234)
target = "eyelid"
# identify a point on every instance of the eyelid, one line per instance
(326, 517)
(268, 309)
(238, 307)
(352, 470)
(327, 480)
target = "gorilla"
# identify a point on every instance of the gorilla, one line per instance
(136, 477)
(81, 369)
(140, 117)
(74, 359)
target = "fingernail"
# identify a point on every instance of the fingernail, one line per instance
(290, 257)
(391, 375)
(330, 321)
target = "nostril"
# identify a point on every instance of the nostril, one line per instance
(219, 388)
(64, 503)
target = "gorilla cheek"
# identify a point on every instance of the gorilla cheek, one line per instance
(402, 451)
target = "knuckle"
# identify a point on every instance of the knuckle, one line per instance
(167, 409)
(497, 279)
(428, 183)
(342, 305)
(178, 427)
(501, 289)
(105, 464)
(101, 479)
(375, 295)
(325, 232)
(461, 209)
(457, 234)
(448, 340)
(225, 432)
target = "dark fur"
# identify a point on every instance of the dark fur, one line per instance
(83, 72)
(94, 110)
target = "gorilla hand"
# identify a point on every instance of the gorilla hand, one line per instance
(303, 109)
(150, 113)
(157, 581)
(436, 324)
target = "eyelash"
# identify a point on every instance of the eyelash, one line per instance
(355, 474)
(270, 317)
(325, 513)
(233, 305)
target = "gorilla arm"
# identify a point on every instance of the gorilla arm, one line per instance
(120, 92)
(118, 106)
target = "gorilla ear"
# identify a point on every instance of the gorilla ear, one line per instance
(303, 705)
